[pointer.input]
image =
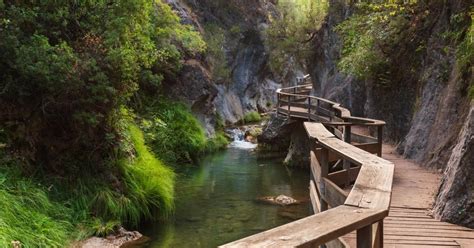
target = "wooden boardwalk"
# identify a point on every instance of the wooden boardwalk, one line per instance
(362, 193)
(410, 223)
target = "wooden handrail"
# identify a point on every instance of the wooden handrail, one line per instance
(337, 213)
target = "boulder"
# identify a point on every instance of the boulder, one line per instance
(281, 200)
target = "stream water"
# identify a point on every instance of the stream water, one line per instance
(216, 201)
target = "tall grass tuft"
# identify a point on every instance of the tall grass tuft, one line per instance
(149, 181)
(28, 215)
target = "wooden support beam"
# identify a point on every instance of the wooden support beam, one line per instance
(380, 139)
(364, 237)
(324, 173)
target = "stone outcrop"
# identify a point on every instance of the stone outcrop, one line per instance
(121, 239)
(276, 135)
(251, 84)
(455, 200)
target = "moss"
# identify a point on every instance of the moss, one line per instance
(251, 117)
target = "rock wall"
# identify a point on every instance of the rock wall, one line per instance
(455, 200)
(251, 84)
(429, 115)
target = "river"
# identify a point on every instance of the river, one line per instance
(216, 201)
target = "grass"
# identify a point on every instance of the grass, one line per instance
(173, 133)
(218, 142)
(28, 215)
(150, 181)
(50, 216)
(251, 117)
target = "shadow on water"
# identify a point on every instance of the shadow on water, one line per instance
(216, 201)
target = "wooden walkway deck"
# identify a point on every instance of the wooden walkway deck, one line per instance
(410, 223)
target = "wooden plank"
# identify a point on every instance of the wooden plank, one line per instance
(333, 157)
(418, 246)
(423, 233)
(417, 225)
(313, 230)
(315, 168)
(313, 193)
(363, 139)
(332, 194)
(339, 177)
(369, 147)
(420, 238)
(421, 242)
(429, 231)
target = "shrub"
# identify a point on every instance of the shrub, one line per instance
(172, 132)
(251, 117)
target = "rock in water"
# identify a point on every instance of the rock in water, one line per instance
(122, 238)
(281, 200)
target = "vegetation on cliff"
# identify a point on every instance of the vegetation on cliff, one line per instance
(379, 35)
(74, 76)
(290, 33)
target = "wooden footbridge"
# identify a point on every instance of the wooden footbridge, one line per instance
(362, 193)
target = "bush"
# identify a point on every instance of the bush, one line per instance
(251, 117)
(172, 132)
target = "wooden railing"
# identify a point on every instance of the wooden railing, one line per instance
(350, 187)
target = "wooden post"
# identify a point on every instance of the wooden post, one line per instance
(309, 108)
(289, 104)
(378, 235)
(379, 140)
(278, 104)
(364, 237)
(324, 174)
(347, 163)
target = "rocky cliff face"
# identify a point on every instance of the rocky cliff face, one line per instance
(247, 84)
(429, 115)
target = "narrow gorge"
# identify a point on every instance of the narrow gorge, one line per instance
(184, 123)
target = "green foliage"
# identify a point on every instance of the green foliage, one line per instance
(215, 39)
(149, 181)
(102, 229)
(28, 215)
(465, 49)
(172, 132)
(251, 117)
(371, 36)
(67, 68)
(218, 142)
(290, 32)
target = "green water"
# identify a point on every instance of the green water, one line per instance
(216, 201)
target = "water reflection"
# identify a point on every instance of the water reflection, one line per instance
(216, 202)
